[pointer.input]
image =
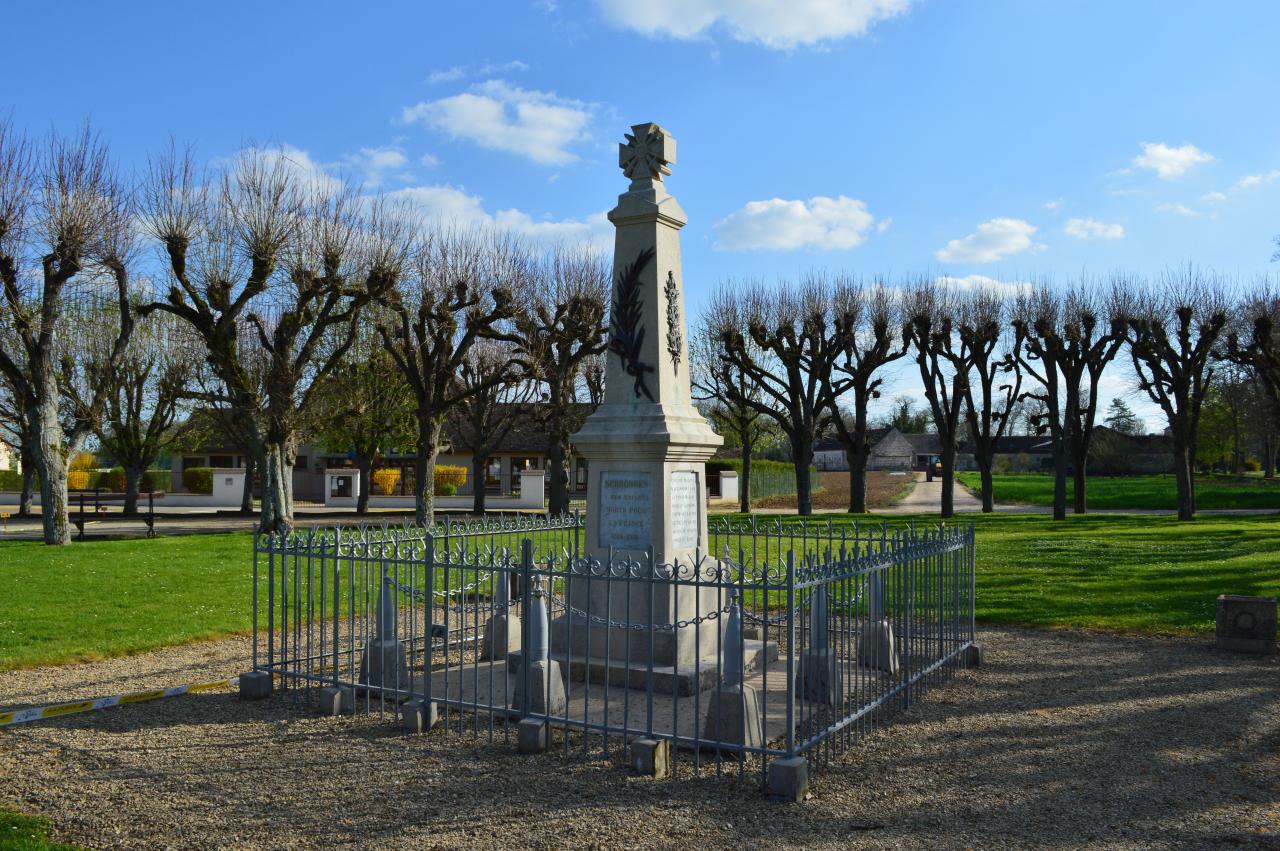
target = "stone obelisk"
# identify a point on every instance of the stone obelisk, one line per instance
(646, 446)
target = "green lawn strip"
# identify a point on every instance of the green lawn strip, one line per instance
(1129, 573)
(1133, 492)
(20, 832)
(115, 597)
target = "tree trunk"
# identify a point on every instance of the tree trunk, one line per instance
(744, 483)
(250, 470)
(51, 461)
(1059, 480)
(1079, 484)
(478, 464)
(802, 454)
(988, 488)
(132, 480)
(28, 483)
(277, 485)
(857, 480)
(429, 428)
(949, 480)
(1184, 472)
(1268, 459)
(558, 504)
(364, 463)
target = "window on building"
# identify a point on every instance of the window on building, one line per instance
(300, 463)
(220, 461)
(190, 461)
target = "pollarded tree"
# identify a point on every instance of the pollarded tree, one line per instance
(16, 427)
(293, 264)
(66, 241)
(995, 380)
(494, 395)
(944, 372)
(561, 329)
(1254, 340)
(793, 347)
(364, 405)
(730, 394)
(147, 392)
(457, 292)
(871, 335)
(1173, 336)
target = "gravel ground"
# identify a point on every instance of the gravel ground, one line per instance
(1061, 740)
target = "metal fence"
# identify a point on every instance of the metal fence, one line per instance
(789, 639)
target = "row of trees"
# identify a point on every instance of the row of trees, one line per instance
(274, 301)
(811, 357)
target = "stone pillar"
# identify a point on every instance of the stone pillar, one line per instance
(646, 445)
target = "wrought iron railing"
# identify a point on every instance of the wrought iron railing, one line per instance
(787, 640)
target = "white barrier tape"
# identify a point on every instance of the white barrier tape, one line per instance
(57, 710)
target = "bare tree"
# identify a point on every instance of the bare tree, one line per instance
(728, 394)
(458, 291)
(147, 389)
(365, 406)
(989, 406)
(870, 335)
(944, 370)
(1254, 339)
(561, 328)
(1172, 342)
(16, 424)
(295, 266)
(792, 348)
(68, 214)
(494, 395)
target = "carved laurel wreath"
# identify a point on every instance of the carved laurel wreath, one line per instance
(675, 340)
(626, 334)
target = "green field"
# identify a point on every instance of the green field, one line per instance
(1126, 573)
(26, 833)
(1134, 492)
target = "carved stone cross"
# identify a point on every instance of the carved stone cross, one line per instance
(648, 152)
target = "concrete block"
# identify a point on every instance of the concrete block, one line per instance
(876, 647)
(788, 779)
(733, 717)
(501, 636)
(532, 735)
(542, 700)
(1246, 624)
(974, 655)
(651, 757)
(255, 685)
(821, 677)
(419, 716)
(331, 702)
(383, 664)
(753, 633)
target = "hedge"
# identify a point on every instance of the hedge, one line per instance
(385, 480)
(198, 479)
(114, 480)
(10, 480)
(449, 479)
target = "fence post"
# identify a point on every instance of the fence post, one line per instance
(791, 653)
(526, 638)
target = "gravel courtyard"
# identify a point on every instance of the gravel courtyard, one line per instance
(1062, 740)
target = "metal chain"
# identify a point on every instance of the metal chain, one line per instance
(562, 606)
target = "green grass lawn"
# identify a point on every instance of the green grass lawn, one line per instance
(1128, 573)
(1133, 492)
(115, 597)
(27, 833)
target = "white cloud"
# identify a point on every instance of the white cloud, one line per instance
(773, 23)
(781, 225)
(1055, 204)
(1093, 229)
(1177, 210)
(429, 160)
(463, 72)
(502, 117)
(450, 205)
(1213, 197)
(970, 283)
(883, 225)
(1170, 163)
(991, 241)
(375, 165)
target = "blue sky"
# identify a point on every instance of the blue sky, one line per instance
(1009, 140)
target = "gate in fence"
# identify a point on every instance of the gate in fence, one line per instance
(798, 635)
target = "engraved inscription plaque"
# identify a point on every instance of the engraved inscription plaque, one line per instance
(625, 509)
(684, 509)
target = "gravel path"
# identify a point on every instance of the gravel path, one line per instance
(1062, 740)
